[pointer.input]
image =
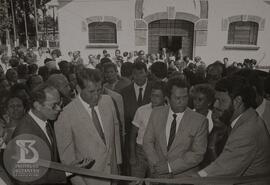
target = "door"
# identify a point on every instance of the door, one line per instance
(171, 34)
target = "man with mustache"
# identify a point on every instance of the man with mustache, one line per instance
(246, 151)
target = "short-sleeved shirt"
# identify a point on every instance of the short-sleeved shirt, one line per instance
(141, 119)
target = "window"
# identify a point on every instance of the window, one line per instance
(243, 33)
(102, 32)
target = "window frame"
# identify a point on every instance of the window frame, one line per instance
(107, 27)
(235, 38)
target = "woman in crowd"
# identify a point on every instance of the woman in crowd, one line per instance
(203, 98)
(16, 108)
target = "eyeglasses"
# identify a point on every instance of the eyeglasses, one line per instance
(55, 106)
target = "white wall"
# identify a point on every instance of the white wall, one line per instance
(73, 14)
(217, 38)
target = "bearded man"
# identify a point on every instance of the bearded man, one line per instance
(246, 151)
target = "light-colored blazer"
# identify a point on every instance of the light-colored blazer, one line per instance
(78, 138)
(188, 147)
(247, 151)
(266, 115)
(117, 98)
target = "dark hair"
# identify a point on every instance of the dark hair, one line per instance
(43, 71)
(57, 52)
(47, 60)
(22, 70)
(205, 89)
(9, 74)
(105, 60)
(62, 64)
(39, 93)
(23, 99)
(32, 68)
(125, 54)
(159, 85)
(139, 66)
(126, 69)
(178, 82)
(159, 69)
(29, 81)
(109, 65)
(236, 85)
(86, 74)
(253, 79)
(14, 62)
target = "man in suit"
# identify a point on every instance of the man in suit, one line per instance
(134, 96)
(176, 137)
(87, 128)
(246, 151)
(46, 106)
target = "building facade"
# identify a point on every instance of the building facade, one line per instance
(212, 29)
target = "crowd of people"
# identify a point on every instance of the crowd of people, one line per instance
(142, 115)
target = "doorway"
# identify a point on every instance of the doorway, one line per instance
(172, 43)
(172, 34)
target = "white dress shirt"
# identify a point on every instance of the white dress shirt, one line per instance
(137, 89)
(88, 109)
(41, 124)
(168, 127)
(169, 123)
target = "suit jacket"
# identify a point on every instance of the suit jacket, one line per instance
(78, 138)
(119, 129)
(131, 104)
(29, 126)
(246, 151)
(188, 147)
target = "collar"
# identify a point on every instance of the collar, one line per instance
(179, 114)
(40, 122)
(85, 105)
(235, 120)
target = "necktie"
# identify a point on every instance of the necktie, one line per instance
(98, 124)
(50, 133)
(172, 132)
(140, 96)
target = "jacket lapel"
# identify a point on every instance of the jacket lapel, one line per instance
(105, 122)
(39, 131)
(179, 133)
(147, 93)
(163, 122)
(249, 113)
(86, 121)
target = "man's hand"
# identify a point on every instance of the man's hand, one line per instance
(161, 167)
(83, 163)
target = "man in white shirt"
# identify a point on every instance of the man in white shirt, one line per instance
(176, 137)
(138, 160)
(246, 151)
